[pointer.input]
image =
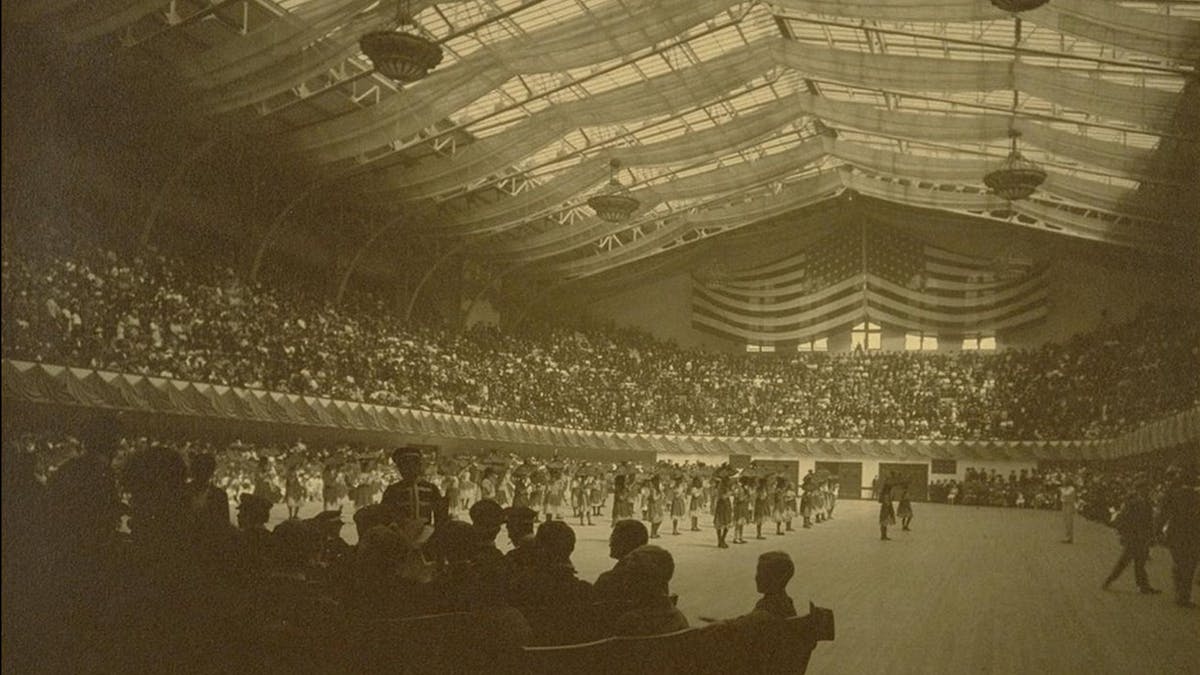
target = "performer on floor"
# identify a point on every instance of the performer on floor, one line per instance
(763, 503)
(696, 502)
(1135, 523)
(552, 497)
(806, 500)
(779, 511)
(741, 511)
(597, 493)
(887, 514)
(1067, 495)
(722, 511)
(679, 499)
(654, 502)
(622, 508)
(904, 511)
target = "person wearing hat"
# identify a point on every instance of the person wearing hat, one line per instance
(1135, 524)
(647, 572)
(1180, 523)
(400, 496)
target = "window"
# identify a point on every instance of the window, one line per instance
(920, 342)
(818, 345)
(985, 343)
(760, 348)
(866, 336)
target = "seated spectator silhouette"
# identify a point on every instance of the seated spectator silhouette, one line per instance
(486, 518)
(775, 570)
(156, 480)
(82, 504)
(647, 572)
(209, 504)
(519, 521)
(552, 579)
(450, 550)
(255, 543)
(626, 536)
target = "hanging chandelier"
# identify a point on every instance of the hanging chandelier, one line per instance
(1017, 177)
(614, 204)
(403, 55)
(1016, 6)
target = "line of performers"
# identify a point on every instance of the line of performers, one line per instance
(734, 501)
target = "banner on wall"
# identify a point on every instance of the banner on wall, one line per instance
(37, 383)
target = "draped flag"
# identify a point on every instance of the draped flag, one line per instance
(871, 273)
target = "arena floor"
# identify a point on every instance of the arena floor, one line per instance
(969, 590)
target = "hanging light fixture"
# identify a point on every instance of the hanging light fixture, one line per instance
(1016, 6)
(1017, 177)
(403, 55)
(614, 204)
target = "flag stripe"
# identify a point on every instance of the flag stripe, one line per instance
(877, 272)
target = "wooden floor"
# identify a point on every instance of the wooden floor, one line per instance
(969, 590)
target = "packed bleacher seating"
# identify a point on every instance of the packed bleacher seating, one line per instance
(147, 314)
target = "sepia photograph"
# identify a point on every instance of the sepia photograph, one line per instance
(646, 337)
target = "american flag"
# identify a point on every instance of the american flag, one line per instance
(871, 272)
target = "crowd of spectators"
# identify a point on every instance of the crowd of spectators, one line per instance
(120, 554)
(1098, 490)
(153, 315)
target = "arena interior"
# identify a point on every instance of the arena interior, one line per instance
(615, 336)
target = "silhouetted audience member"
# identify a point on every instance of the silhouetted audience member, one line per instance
(552, 579)
(519, 522)
(626, 536)
(255, 543)
(209, 503)
(487, 517)
(775, 570)
(647, 572)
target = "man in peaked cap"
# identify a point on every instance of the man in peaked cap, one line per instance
(399, 496)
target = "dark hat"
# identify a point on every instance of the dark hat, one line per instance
(520, 514)
(487, 513)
